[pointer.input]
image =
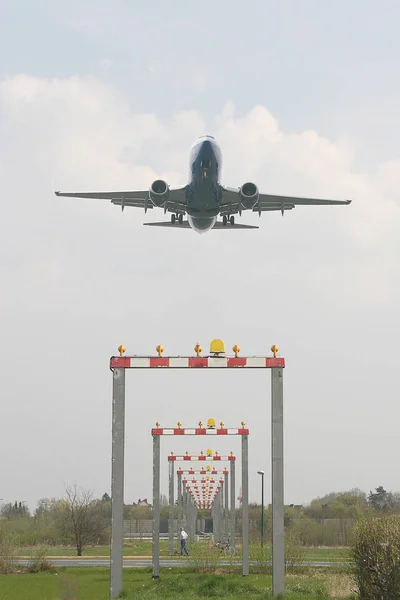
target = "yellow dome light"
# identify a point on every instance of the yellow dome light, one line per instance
(160, 349)
(236, 350)
(274, 350)
(209, 452)
(121, 350)
(222, 424)
(198, 349)
(158, 424)
(243, 423)
(211, 423)
(208, 468)
(217, 347)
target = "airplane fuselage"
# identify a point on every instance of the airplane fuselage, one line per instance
(204, 190)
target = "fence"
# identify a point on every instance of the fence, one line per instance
(309, 532)
(142, 528)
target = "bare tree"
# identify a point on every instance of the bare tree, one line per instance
(84, 519)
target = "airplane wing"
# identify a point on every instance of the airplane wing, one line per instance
(138, 199)
(230, 203)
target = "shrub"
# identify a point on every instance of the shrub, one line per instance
(375, 551)
(39, 562)
(204, 557)
(295, 553)
(8, 551)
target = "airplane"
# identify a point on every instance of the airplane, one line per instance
(204, 197)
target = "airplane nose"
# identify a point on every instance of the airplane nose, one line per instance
(207, 150)
(207, 145)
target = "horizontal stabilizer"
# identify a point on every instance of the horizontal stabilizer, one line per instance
(178, 225)
(220, 225)
(185, 225)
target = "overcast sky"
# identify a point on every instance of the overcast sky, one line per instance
(303, 98)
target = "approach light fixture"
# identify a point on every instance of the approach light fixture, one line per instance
(274, 350)
(217, 347)
(236, 350)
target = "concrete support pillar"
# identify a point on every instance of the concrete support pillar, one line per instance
(156, 507)
(117, 482)
(278, 524)
(245, 504)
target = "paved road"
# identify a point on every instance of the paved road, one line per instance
(136, 564)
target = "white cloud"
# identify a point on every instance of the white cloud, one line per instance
(84, 274)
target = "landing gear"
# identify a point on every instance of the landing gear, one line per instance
(225, 220)
(179, 217)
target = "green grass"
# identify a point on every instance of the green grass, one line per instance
(327, 554)
(134, 548)
(93, 584)
(143, 548)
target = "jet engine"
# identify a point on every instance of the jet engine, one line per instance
(159, 192)
(248, 195)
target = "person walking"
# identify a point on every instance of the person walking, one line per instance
(183, 537)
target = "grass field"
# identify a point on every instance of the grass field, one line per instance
(93, 584)
(143, 548)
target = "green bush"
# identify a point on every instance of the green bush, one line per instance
(39, 562)
(204, 557)
(8, 551)
(375, 549)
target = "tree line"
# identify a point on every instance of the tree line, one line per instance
(81, 520)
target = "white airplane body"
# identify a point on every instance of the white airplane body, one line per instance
(204, 198)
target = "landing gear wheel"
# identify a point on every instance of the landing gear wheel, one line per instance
(180, 219)
(173, 218)
(232, 220)
(224, 220)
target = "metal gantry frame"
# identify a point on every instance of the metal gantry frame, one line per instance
(229, 511)
(210, 430)
(119, 365)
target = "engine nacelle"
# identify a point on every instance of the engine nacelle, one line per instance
(248, 195)
(159, 192)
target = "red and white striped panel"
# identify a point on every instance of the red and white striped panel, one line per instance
(195, 362)
(202, 457)
(201, 472)
(197, 431)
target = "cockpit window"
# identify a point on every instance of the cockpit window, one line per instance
(205, 164)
